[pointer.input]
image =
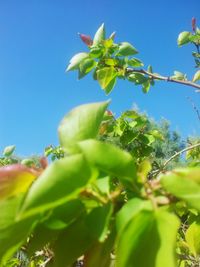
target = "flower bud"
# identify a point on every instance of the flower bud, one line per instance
(194, 24)
(86, 39)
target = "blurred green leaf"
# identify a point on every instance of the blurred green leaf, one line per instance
(100, 253)
(110, 159)
(75, 240)
(12, 237)
(9, 208)
(143, 244)
(15, 179)
(192, 237)
(98, 221)
(59, 183)
(80, 124)
(129, 211)
(8, 151)
(184, 184)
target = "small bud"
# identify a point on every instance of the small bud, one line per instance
(194, 24)
(112, 36)
(86, 39)
(43, 162)
(109, 113)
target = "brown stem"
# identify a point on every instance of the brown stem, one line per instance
(156, 172)
(163, 78)
(180, 152)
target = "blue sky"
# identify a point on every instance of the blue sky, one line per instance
(38, 38)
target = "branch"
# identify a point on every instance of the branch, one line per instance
(179, 153)
(163, 78)
(194, 107)
(156, 172)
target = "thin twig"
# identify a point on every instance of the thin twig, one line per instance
(180, 152)
(194, 107)
(156, 172)
(163, 78)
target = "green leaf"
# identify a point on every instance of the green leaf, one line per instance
(137, 78)
(150, 69)
(100, 253)
(129, 211)
(81, 123)
(134, 62)
(60, 218)
(110, 86)
(192, 237)
(110, 61)
(183, 38)
(9, 208)
(86, 66)
(76, 60)
(99, 35)
(105, 76)
(59, 183)
(8, 151)
(146, 86)
(196, 76)
(15, 179)
(110, 159)
(142, 242)
(103, 184)
(184, 184)
(179, 75)
(98, 221)
(12, 237)
(126, 49)
(75, 240)
(96, 52)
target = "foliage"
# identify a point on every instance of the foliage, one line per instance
(111, 61)
(107, 197)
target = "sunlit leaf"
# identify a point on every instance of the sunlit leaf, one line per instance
(15, 179)
(184, 184)
(126, 49)
(59, 183)
(183, 38)
(81, 123)
(146, 86)
(134, 62)
(192, 237)
(143, 244)
(86, 66)
(76, 60)
(196, 76)
(99, 35)
(110, 159)
(8, 151)
(129, 210)
(105, 76)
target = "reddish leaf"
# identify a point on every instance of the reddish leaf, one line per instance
(15, 179)
(194, 24)
(86, 39)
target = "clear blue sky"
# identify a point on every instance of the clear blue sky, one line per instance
(38, 38)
